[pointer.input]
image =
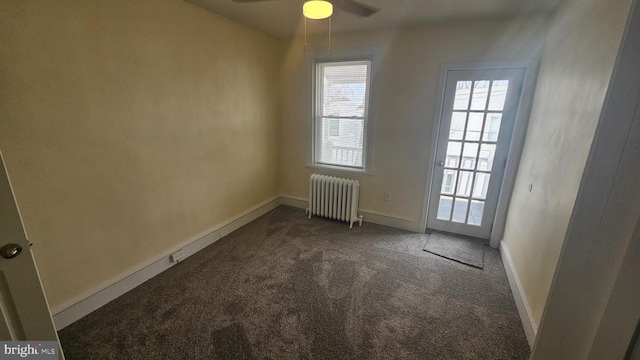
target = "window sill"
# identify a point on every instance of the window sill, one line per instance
(338, 170)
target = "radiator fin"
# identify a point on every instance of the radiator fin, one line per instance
(334, 197)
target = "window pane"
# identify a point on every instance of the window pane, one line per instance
(461, 99)
(460, 210)
(464, 183)
(475, 212)
(474, 127)
(480, 93)
(453, 154)
(448, 181)
(469, 156)
(492, 127)
(457, 125)
(481, 185)
(344, 89)
(485, 159)
(344, 148)
(498, 94)
(444, 207)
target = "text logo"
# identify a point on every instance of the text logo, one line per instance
(41, 350)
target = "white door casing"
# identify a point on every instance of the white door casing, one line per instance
(476, 124)
(24, 309)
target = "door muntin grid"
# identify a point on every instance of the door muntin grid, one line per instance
(473, 135)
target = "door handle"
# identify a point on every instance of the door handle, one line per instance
(10, 251)
(440, 163)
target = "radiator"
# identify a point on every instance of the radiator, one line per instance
(334, 198)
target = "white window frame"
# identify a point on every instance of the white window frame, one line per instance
(372, 55)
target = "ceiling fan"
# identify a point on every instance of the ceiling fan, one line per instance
(350, 6)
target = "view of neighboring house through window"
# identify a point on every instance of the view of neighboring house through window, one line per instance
(341, 112)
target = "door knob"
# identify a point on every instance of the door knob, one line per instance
(10, 251)
(440, 163)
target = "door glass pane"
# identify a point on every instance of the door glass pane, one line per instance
(480, 92)
(342, 141)
(485, 159)
(469, 156)
(474, 126)
(448, 181)
(481, 185)
(461, 99)
(464, 183)
(457, 125)
(460, 210)
(492, 127)
(444, 207)
(454, 150)
(475, 212)
(498, 94)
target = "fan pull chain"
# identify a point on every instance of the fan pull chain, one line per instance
(305, 34)
(329, 35)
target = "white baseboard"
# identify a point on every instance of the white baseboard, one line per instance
(294, 201)
(93, 300)
(368, 216)
(529, 325)
(391, 221)
(103, 294)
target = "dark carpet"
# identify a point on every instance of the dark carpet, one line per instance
(457, 248)
(287, 287)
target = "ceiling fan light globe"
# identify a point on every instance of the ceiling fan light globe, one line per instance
(317, 9)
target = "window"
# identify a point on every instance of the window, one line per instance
(341, 113)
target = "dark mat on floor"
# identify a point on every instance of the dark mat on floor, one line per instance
(463, 250)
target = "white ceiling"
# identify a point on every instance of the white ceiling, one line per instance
(283, 18)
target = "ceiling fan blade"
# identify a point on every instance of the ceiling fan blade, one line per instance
(355, 7)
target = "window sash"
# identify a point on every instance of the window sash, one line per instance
(343, 151)
(320, 106)
(341, 117)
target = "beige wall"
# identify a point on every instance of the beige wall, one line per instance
(129, 127)
(406, 102)
(577, 64)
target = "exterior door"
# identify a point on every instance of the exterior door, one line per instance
(25, 314)
(476, 124)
